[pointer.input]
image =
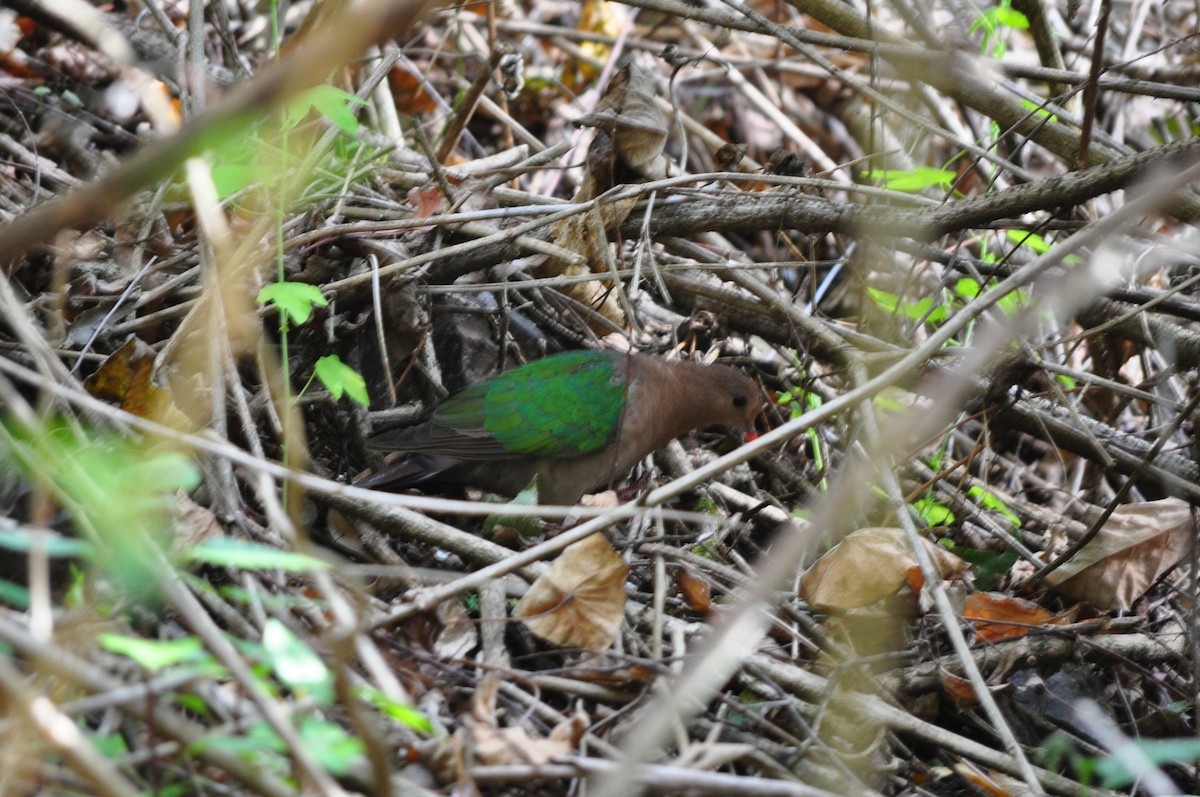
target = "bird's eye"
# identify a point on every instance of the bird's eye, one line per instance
(739, 401)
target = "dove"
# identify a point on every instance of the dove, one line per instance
(578, 421)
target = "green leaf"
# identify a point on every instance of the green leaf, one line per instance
(403, 713)
(331, 745)
(258, 743)
(887, 403)
(294, 299)
(330, 102)
(1011, 18)
(116, 489)
(1012, 302)
(339, 378)
(154, 654)
(989, 500)
(229, 178)
(968, 288)
(988, 567)
(913, 180)
(1031, 239)
(294, 662)
(251, 556)
(933, 512)
(922, 309)
(1037, 109)
(165, 472)
(985, 21)
(110, 745)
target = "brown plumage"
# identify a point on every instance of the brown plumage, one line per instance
(579, 421)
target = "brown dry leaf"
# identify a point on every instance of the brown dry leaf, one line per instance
(1135, 546)
(867, 567)
(630, 132)
(960, 691)
(124, 379)
(581, 600)
(990, 784)
(410, 95)
(695, 591)
(505, 746)
(995, 616)
(427, 200)
(491, 744)
(628, 148)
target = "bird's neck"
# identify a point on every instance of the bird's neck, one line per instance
(673, 399)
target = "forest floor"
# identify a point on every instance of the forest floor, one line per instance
(954, 246)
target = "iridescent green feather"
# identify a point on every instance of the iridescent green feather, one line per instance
(565, 405)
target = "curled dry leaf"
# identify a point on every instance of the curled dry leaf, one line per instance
(1135, 546)
(581, 600)
(869, 566)
(630, 132)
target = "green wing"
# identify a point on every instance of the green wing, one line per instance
(560, 406)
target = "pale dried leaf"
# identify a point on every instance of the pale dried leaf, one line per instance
(1135, 546)
(483, 699)
(459, 634)
(194, 524)
(505, 746)
(869, 566)
(580, 601)
(629, 115)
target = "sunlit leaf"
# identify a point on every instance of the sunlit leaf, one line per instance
(340, 379)
(295, 299)
(295, 663)
(154, 654)
(913, 180)
(403, 713)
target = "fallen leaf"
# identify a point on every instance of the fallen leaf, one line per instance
(630, 132)
(994, 616)
(493, 745)
(695, 591)
(581, 600)
(960, 691)
(628, 147)
(409, 93)
(124, 379)
(1135, 546)
(990, 784)
(508, 746)
(869, 566)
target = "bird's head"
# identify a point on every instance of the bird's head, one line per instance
(736, 399)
